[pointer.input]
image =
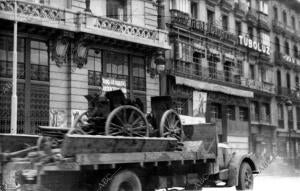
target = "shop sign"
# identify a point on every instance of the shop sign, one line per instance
(199, 104)
(245, 41)
(289, 59)
(110, 84)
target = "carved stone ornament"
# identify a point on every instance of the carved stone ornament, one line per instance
(80, 54)
(59, 50)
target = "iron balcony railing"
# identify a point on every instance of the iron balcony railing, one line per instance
(209, 29)
(227, 76)
(66, 19)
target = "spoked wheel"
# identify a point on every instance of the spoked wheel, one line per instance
(126, 120)
(245, 177)
(79, 122)
(170, 125)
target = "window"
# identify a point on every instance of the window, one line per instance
(243, 113)
(288, 81)
(252, 71)
(298, 117)
(287, 48)
(117, 9)
(265, 39)
(216, 112)
(194, 10)
(94, 66)
(210, 17)
(231, 112)
(293, 22)
(116, 64)
(250, 32)
(297, 83)
(181, 5)
(266, 117)
(263, 75)
(248, 3)
(278, 78)
(139, 73)
(284, 17)
(6, 57)
(263, 7)
(296, 51)
(275, 11)
(238, 28)
(225, 22)
(280, 116)
(254, 109)
(277, 45)
(39, 61)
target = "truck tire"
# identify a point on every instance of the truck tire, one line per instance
(125, 181)
(245, 177)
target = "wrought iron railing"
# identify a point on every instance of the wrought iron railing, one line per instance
(196, 71)
(38, 14)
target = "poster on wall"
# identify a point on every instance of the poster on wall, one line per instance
(57, 118)
(199, 105)
(110, 84)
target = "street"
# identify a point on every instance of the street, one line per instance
(269, 183)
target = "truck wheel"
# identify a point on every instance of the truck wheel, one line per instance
(125, 181)
(245, 177)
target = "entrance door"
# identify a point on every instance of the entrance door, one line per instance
(33, 84)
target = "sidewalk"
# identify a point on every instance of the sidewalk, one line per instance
(279, 167)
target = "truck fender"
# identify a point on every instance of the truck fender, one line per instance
(235, 164)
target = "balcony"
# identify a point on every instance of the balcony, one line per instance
(260, 86)
(278, 26)
(293, 94)
(263, 21)
(213, 2)
(227, 5)
(286, 61)
(196, 71)
(183, 20)
(63, 19)
(252, 17)
(240, 9)
(179, 17)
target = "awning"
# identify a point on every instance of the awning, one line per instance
(228, 57)
(213, 87)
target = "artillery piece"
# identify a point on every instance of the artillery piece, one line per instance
(115, 115)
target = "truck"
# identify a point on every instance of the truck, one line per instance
(116, 147)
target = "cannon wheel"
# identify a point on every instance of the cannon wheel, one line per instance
(126, 120)
(79, 121)
(170, 125)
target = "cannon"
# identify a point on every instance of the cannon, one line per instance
(114, 115)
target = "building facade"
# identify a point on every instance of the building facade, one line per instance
(285, 36)
(68, 49)
(222, 49)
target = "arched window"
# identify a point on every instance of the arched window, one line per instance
(296, 51)
(284, 17)
(275, 11)
(287, 48)
(277, 44)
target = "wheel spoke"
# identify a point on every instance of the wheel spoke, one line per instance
(131, 116)
(116, 126)
(140, 128)
(136, 121)
(121, 121)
